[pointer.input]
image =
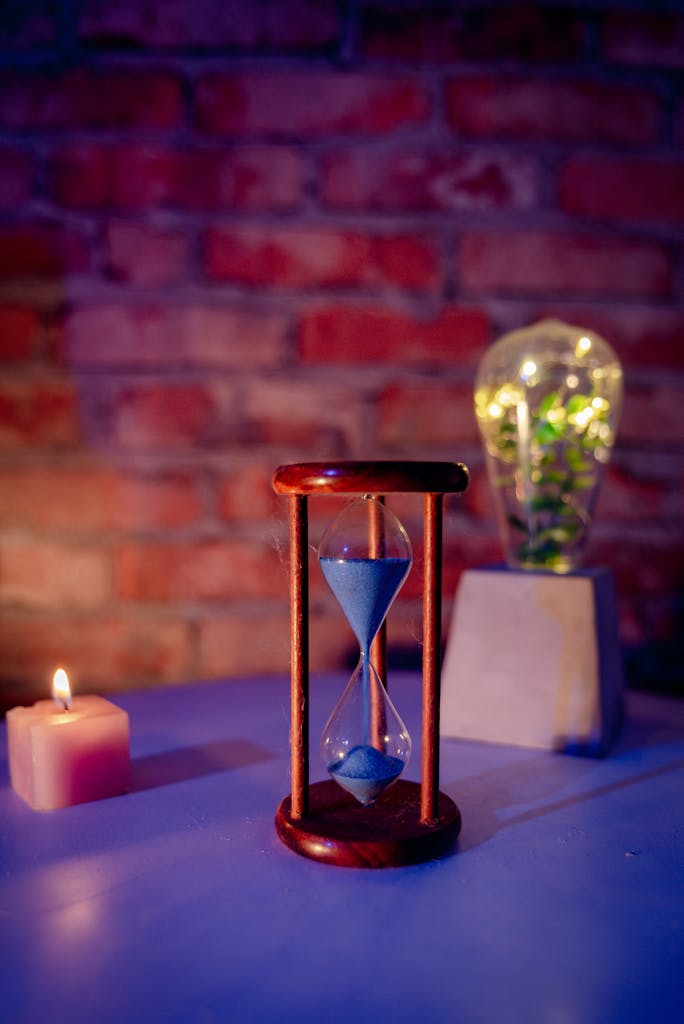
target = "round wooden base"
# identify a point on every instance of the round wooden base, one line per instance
(338, 830)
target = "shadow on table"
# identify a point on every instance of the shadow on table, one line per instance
(488, 800)
(186, 763)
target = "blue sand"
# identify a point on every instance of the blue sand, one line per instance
(365, 588)
(365, 772)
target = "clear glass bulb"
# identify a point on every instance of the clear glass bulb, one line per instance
(547, 401)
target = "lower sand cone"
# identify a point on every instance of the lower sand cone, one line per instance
(366, 772)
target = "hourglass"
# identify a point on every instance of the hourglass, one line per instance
(365, 556)
(365, 814)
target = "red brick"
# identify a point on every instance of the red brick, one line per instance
(534, 262)
(51, 346)
(210, 570)
(416, 418)
(428, 179)
(455, 336)
(142, 337)
(324, 419)
(309, 257)
(644, 190)
(16, 173)
(19, 331)
(259, 25)
(246, 493)
(140, 177)
(310, 104)
(147, 177)
(130, 177)
(138, 254)
(644, 39)
(248, 178)
(522, 33)
(123, 99)
(652, 414)
(518, 108)
(161, 416)
(88, 498)
(108, 651)
(642, 336)
(409, 261)
(82, 176)
(40, 250)
(43, 574)
(38, 412)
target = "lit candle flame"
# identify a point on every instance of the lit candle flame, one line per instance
(61, 691)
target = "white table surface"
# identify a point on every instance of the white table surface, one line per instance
(564, 903)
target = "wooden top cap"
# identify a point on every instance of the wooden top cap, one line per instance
(370, 477)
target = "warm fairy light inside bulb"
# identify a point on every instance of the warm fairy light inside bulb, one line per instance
(508, 395)
(583, 345)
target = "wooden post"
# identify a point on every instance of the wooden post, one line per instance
(432, 622)
(378, 651)
(299, 646)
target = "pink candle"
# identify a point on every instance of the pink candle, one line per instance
(68, 750)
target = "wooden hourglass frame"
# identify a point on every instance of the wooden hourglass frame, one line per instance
(411, 822)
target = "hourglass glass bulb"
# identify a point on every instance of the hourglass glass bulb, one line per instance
(365, 556)
(365, 745)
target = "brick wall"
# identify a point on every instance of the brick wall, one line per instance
(235, 234)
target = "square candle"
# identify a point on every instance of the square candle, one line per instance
(59, 757)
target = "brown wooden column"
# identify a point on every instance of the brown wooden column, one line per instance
(299, 647)
(432, 630)
(378, 651)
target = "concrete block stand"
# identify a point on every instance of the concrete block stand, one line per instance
(533, 659)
